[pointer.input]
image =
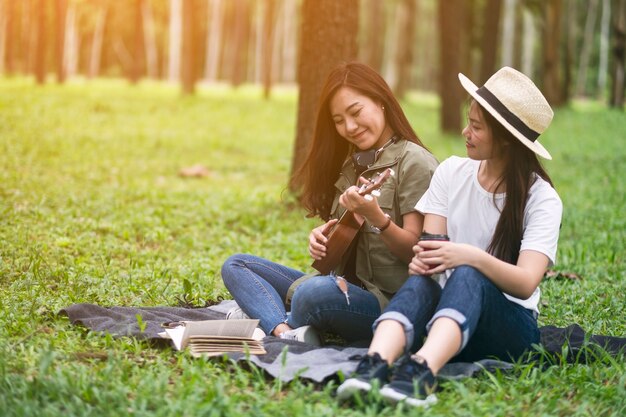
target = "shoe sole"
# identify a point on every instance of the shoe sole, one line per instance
(394, 396)
(352, 386)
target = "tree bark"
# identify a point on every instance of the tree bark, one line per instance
(175, 40)
(472, 41)
(490, 39)
(188, 66)
(373, 48)
(450, 91)
(137, 45)
(508, 33)
(605, 23)
(72, 41)
(149, 35)
(289, 49)
(528, 42)
(570, 33)
(278, 41)
(40, 49)
(214, 40)
(406, 19)
(328, 37)
(3, 33)
(618, 72)
(60, 14)
(585, 54)
(96, 44)
(551, 40)
(240, 41)
(268, 46)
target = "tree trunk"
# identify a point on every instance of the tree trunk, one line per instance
(604, 47)
(428, 68)
(188, 48)
(570, 33)
(240, 38)
(175, 40)
(328, 37)
(551, 40)
(278, 43)
(149, 35)
(3, 32)
(290, 48)
(96, 44)
(268, 46)
(11, 37)
(60, 14)
(374, 44)
(137, 45)
(214, 40)
(450, 91)
(618, 71)
(70, 57)
(405, 30)
(40, 49)
(472, 40)
(490, 39)
(528, 43)
(508, 33)
(517, 36)
(585, 54)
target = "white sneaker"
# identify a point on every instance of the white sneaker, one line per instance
(305, 334)
(236, 313)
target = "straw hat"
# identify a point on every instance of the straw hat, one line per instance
(516, 102)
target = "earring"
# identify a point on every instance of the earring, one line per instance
(383, 108)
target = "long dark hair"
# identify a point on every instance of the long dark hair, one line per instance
(328, 150)
(521, 170)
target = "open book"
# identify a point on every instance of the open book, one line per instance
(216, 337)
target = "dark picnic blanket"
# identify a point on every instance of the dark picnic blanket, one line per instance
(287, 360)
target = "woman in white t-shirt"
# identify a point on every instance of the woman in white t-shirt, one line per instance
(502, 216)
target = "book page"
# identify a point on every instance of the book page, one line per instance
(229, 328)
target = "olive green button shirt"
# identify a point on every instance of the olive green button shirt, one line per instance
(381, 272)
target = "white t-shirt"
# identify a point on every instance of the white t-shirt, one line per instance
(471, 216)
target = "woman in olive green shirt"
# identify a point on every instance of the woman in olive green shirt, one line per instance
(360, 131)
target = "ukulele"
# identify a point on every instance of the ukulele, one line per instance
(342, 233)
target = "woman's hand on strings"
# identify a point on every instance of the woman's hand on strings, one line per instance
(366, 206)
(318, 239)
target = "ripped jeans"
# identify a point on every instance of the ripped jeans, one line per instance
(259, 287)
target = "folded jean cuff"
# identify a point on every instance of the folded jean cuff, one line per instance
(458, 317)
(409, 331)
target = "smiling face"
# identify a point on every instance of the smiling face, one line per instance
(359, 119)
(478, 136)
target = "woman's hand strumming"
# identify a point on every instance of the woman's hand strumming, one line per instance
(318, 239)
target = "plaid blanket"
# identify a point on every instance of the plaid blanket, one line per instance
(287, 360)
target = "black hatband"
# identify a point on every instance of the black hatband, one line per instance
(513, 120)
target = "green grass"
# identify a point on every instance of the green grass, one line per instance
(92, 210)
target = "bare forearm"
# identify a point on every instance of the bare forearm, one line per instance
(399, 240)
(517, 280)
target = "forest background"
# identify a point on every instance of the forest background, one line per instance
(99, 111)
(572, 48)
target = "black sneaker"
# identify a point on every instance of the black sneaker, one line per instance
(412, 382)
(371, 370)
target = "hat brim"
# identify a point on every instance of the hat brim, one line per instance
(534, 146)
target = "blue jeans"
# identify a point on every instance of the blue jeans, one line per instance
(260, 286)
(491, 325)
